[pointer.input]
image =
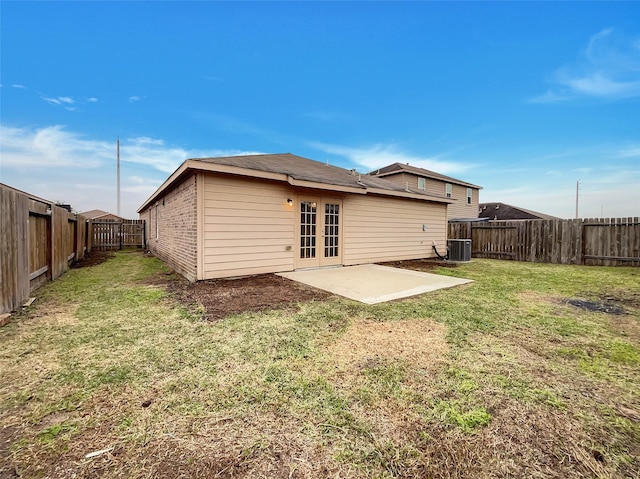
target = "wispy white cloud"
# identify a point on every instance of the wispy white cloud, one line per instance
(134, 98)
(611, 188)
(61, 100)
(54, 146)
(599, 85)
(380, 155)
(630, 152)
(67, 102)
(155, 153)
(18, 86)
(552, 97)
(23, 149)
(58, 164)
(607, 68)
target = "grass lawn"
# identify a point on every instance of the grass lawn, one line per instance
(498, 378)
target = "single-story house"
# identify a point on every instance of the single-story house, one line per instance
(240, 215)
(465, 196)
(101, 215)
(503, 211)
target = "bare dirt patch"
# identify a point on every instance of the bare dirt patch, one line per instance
(597, 306)
(222, 297)
(627, 326)
(7, 433)
(93, 258)
(219, 298)
(420, 264)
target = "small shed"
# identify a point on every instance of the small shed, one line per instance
(101, 215)
(241, 215)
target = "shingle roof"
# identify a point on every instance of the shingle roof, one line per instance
(401, 168)
(307, 170)
(301, 169)
(503, 211)
(91, 214)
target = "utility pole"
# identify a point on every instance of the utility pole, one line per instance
(118, 167)
(577, 190)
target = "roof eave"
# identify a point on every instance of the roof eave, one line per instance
(167, 183)
(196, 165)
(326, 186)
(406, 194)
(386, 173)
(426, 175)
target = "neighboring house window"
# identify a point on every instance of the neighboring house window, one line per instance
(157, 225)
(468, 196)
(448, 190)
(422, 184)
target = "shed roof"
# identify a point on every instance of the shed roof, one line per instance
(93, 214)
(503, 211)
(297, 171)
(396, 168)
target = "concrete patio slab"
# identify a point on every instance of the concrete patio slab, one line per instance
(372, 283)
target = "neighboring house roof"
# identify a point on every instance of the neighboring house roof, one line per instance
(297, 171)
(93, 214)
(406, 168)
(503, 211)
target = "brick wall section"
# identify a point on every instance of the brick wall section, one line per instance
(172, 228)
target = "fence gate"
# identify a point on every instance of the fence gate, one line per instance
(116, 234)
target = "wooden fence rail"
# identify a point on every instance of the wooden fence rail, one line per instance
(590, 241)
(38, 242)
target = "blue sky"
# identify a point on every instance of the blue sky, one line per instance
(521, 98)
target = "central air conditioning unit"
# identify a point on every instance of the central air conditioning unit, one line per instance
(459, 249)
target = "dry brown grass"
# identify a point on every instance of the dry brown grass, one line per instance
(419, 341)
(504, 380)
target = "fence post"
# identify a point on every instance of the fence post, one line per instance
(580, 240)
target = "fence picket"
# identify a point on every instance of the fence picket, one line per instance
(592, 241)
(109, 235)
(38, 240)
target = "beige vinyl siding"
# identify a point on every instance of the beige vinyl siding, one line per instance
(460, 209)
(248, 227)
(387, 229)
(402, 179)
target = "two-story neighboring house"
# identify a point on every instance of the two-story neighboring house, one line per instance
(466, 195)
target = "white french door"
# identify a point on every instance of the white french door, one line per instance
(319, 232)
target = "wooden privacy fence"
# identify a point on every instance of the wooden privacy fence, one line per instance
(599, 241)
(38, 242)
(117, 234)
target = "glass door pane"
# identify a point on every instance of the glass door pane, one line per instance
(331, 229)
(308, 219)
